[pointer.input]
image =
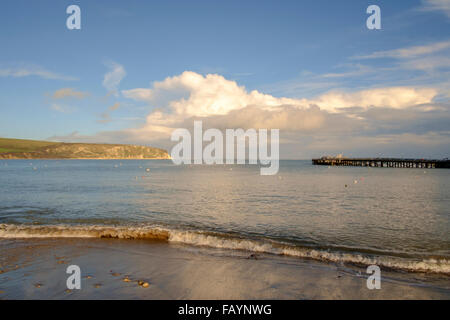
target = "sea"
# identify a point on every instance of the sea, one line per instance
(398, 219)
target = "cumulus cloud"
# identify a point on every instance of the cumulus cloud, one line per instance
(68, 93)
(206, 95)
(334, 121)
(327, 120)
(193, 95)
(112, 79)
(285, 117)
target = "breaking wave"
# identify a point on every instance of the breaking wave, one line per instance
(71, 231)
(223, 241)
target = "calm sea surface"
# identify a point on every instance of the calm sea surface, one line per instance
(399, 218)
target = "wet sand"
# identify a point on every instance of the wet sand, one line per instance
(141, 269)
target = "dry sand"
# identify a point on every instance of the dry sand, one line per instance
(131, 269)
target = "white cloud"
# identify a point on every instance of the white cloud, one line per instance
(222, 103)
(26, 71)
(207, 95)
(422, 65)
(356, 71)
(427, 64)
(409, 52)
(112, 79)
(391, 97)
(437, 5)
(193, 95)
(68, 93)
(387, 119)
(61, 108)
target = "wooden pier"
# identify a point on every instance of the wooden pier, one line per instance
(383, 162)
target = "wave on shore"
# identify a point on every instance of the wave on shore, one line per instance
(223, 241)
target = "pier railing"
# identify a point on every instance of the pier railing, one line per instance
(383, 162)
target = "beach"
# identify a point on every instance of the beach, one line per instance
(36, 269)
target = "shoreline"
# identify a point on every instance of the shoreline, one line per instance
(225, 241)
(36, 269)
(84, 158)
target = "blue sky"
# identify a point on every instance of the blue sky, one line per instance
(285, 49)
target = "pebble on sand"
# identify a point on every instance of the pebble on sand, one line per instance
(38, 285)
(143, 284)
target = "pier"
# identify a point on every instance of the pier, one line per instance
(382, 162)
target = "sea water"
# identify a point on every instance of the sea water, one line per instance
(395, 218)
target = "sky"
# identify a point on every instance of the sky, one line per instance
(137, 70)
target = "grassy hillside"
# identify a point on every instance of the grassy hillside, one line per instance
(19, 145)
(30, 149)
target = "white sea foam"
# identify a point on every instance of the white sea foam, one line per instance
(222, 241)
(200, 239)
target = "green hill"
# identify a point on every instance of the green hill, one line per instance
(31, 149)
(19, 145)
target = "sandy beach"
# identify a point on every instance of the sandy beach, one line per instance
(112, 269)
